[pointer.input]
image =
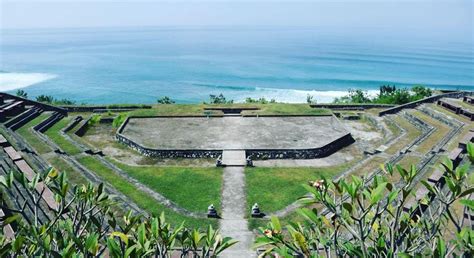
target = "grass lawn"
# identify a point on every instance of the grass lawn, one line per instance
(193, 188)
(139, 197)
(55, 135)
(412, 133)
(198, 109)
(441, 131)
(174, 110)
(274, 188)
(32, 139)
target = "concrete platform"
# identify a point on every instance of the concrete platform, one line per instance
(234, 133)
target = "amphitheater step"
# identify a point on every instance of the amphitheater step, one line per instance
(233, 158)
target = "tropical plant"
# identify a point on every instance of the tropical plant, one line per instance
(165, 100)
(22, 94)
(118, 120)
(87, 223)
(369, 218)
(310, 99)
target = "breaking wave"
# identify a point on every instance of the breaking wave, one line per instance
(12, 81)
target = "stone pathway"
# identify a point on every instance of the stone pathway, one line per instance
(234, 209)
(233, 158)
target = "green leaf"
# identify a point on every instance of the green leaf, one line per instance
(276, 223)
(468, 203)
(377, 194)
(122, 236)
(347, 206)
(441, 247)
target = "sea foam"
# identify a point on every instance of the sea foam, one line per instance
(295, 96)
(12, 81)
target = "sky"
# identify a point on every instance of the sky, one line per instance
(443, 17)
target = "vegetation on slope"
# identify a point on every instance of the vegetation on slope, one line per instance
(31, 138)
(180, 184)
(54, 133)
(274, 188)
(139, 197)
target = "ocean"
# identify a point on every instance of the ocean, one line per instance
(139, 65)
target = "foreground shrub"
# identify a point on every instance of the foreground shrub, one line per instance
(87, 224)
(367, 219)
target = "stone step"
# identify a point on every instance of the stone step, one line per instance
(234, 158)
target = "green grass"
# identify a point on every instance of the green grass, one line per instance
(441, 131)
(74, 176)
(193, 188)
(174, 110)
(198, 109)
(31, 138)
(55, 135)
(276, 187)
(285, 109)
(412, 133)
(139, 197)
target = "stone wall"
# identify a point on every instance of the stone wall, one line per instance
(29, 102)
(431, 99)
(302, 153)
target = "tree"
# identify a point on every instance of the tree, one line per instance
(45, 99)
(219, 99)
(366, 218)
(86, 224)
(421, 92)
(165, 100)
(22, 94)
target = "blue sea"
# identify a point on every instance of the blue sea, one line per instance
(130, 65)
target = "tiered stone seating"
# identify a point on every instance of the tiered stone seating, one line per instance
(24, 168)
(8, 231)
(12, 109)
(23, 118)
(3, 141)
(47, 195)
(12, 153)
(457, 109)
(47, 123)
(468, 99)
(465, 140)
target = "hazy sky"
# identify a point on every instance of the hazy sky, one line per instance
(436, 16)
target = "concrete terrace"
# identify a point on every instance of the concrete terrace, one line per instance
(302, 132)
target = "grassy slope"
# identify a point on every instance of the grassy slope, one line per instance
(74, 177)
(139, 197)
(275, 188)
(180, 184)
(32, 139)
(441, 130)
(55, 135)
(412, 133)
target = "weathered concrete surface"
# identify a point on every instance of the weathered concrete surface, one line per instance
(219, 133)
(233, 222)
(233, 158)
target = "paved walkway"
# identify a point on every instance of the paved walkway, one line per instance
(234, 209)
(233, 158)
